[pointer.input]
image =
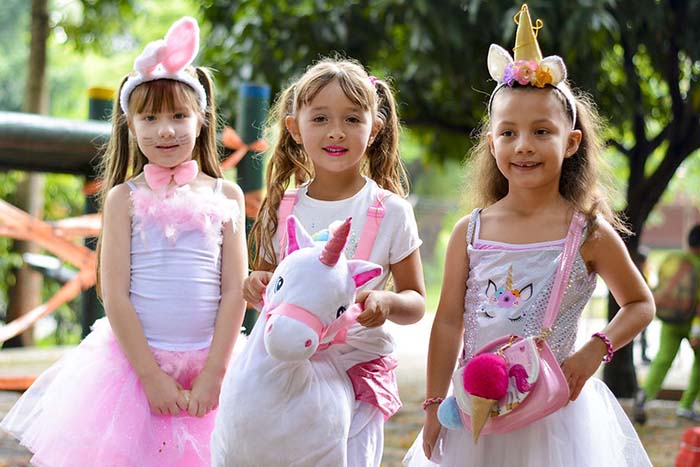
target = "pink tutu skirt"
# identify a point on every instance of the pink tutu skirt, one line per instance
(89, 409)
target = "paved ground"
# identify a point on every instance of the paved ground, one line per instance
(661, 435)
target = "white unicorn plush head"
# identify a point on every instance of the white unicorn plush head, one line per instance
(167, 58)
(309, 302)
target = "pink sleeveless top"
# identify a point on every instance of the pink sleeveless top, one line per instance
(176, 263)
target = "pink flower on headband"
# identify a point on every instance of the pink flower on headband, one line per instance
(373, 80)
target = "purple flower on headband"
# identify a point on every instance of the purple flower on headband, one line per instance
(373, 80)
(508, 77)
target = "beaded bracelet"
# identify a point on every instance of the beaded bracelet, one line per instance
(608, 344)
(430, 401)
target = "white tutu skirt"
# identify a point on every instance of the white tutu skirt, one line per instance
(89, 409)
(591, 431)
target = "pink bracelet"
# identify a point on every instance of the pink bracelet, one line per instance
(608, 357)
(430, 401)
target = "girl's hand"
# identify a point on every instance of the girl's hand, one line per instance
(582, 365)
(254, 286)
(164, 393)
(377, 307)
(204, 395)
(431, 430)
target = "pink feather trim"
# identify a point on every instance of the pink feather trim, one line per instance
(486, 376)
(184, 210)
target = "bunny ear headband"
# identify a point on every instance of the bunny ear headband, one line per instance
(167, 59)
(528, 68)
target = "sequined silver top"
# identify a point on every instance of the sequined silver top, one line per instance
(508, 289)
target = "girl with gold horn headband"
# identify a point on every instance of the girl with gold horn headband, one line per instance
(519, 271)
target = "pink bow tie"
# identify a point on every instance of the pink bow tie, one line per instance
(158, 177)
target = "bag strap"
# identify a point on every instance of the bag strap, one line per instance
(375, 214)
(573, 238)
(289, 200)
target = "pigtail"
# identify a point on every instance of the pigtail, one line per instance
(115, 164)
(287, 160)
(206, 149)
(384, 160)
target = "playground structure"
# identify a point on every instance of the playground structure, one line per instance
(47, 144)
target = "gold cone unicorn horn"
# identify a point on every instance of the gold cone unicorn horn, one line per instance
(526, 46)
(509, 279)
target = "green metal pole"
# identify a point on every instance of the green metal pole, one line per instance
(253, 104)
(100, 108)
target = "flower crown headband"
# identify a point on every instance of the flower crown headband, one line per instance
(167, 59)
(528, 68)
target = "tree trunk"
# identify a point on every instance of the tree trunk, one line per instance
(25, 293)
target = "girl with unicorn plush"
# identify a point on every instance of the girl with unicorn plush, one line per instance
(518, 274)
(143, 387)
(335, 136)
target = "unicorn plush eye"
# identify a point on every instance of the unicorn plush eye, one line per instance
(279, 283)
(340, 311)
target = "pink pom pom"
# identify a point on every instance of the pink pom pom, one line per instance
(486, 376)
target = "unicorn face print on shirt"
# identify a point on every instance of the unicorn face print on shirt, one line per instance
(503, 301)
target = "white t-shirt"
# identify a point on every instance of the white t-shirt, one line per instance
(397, 236)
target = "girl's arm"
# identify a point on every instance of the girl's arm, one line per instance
(606, 254)
(254, 285)
(406, 305)
(162, 391)
(448, 327)
(234, 266)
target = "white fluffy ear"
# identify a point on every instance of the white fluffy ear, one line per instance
(557, 68)
(497, 61)
(296, 236)
(363, 271)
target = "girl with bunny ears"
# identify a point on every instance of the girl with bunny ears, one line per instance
(143, 387)
(518, 273)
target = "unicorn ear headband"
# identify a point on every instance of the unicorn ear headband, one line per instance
(528, 68)
(167, 59)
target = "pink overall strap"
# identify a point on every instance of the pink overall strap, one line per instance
(375, 214)
(289, 200)
(573, 238)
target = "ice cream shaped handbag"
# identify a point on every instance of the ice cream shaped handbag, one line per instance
(513, 381)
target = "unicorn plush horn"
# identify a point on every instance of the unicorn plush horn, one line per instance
(335, 245)
(167, 59)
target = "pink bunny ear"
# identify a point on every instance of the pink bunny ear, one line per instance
(149, 58)
(181, 44)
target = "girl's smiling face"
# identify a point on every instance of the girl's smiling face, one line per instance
(167, 138)
(531, 136)
(334, 131)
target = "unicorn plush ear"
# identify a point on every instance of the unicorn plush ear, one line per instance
(363, 271)
(296, 236)
(497, 61)
(556, 68)
(181, 44)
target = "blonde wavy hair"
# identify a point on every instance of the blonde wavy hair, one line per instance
(288, 162)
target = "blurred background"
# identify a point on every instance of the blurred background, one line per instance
(638, 59)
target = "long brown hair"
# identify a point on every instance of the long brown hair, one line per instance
(123, 160)
(288, 160)
(584, 181)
